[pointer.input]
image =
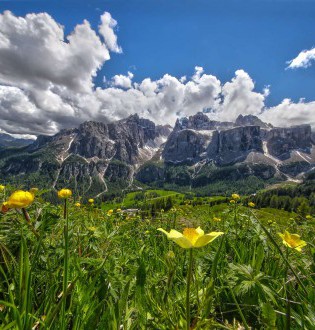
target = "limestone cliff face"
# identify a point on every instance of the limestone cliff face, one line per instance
(121, 140)
(223, 147)
(280, 141)
(184, 146)
(92, 140)
(233, 145)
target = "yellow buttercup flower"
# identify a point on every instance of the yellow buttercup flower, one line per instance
(251, 204)
(236, 196)
(110, 212)
(77, 204)
(1, 187)
(118, 210)
(216, 219)
(292, 240)
(191, 237)
(91, 200)
(232, 201)
(64, 193)
(19, 199)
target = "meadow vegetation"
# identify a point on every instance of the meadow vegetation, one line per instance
(131, 263)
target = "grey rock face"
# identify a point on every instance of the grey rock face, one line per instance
(185, 146)
(233, 145)
(92, 140)
(280, 141)
(119, 140)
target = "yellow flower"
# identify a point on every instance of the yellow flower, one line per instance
(77, 204)
(64, 193)
(91, 200)
(251, 204)
(1, 187)
(216, 219)
(118, 210)
(236, 196)
(191, 237)
(34, 190)
(19, 199)
(292, 240)
(232, 201)
(308, 216)
(110, 212)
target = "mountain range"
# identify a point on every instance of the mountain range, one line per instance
(97, 158)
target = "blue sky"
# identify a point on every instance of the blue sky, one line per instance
(172, 37)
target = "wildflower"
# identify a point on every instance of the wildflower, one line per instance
(92, 228)
(216, 219)
(64, 193)
(33, 190)
(236, 196)
(251, 204)
(118, 210)
(77, 204)
(232, 201)
(1, 187)
(191, 237)
(110, 212)
(19, 199)
(91, 200)
(308, 216)
(147, 232)
(292, 240)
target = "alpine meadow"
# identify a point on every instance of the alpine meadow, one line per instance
(157, 165)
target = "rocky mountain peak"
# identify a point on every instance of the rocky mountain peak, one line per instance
(251, 120)
(201, 122)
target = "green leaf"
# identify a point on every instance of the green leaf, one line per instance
(268, 315)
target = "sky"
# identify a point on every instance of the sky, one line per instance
(65, 63)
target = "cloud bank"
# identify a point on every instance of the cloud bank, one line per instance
(47, 83)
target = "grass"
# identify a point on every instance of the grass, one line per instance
(122, 273)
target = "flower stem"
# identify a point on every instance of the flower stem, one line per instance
(188, 289)
(288, 307)
(66, 263)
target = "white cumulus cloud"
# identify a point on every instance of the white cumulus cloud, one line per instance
(120, 80)
(106, 29)
(303, 60)
(47, 83)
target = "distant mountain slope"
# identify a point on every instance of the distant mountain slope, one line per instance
(99, 157)
(7, 140)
